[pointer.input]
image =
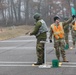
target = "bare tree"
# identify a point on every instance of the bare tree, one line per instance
(22, 11)
(19, 10)
(26, 4)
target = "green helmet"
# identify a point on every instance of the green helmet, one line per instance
(37, 16)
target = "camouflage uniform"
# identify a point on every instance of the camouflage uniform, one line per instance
(39, 46)
(59, 44)
(66, 33)
(73, 33)
(40, 50)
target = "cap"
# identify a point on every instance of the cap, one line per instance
(56, 18)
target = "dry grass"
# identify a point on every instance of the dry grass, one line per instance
(14, 31)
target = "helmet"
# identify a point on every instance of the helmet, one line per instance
(37, 16)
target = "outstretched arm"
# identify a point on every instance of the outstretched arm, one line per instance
(36, 29)
(67, 22)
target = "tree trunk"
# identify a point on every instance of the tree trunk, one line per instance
(26, 11)
(19, 10)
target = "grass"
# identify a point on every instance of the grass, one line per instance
(14, 31)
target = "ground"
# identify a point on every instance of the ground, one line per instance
(14, 31)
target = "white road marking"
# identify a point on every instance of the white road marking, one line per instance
(14, 62)
(24, 64)
(71, 66)
(28, 36)
(14, 41)
(68, 66)
(22, 47)
(68, 63)
(14, 65)
(31, 66)
(18, 41)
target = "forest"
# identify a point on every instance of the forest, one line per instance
(20, 12)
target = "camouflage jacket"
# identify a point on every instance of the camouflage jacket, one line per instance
(36, 30)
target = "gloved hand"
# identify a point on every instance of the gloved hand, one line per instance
(73, 16)
(50, 41)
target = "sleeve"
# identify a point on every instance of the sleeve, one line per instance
(51, 33)
(67, 22)
(36, 29)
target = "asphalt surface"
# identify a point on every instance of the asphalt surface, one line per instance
(18, 54)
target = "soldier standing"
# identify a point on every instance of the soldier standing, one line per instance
(73, 32)
(56, 29)
(40, 31)
(66, 33)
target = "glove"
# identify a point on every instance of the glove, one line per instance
(73, 16)
(50, 41)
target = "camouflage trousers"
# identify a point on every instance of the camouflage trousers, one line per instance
(74, 35)
(59, 48)
(40, 51)
(66, 38)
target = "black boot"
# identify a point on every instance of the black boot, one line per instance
(38, 63)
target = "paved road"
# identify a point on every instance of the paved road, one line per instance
(17, 56)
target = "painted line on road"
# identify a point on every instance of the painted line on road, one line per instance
(19, 41)
(21, 47)
(15, 62)
(15, 65)
(69, 66)
(68, 63)
(14, 41)
(5, 62)
(27, 64)
(28, 36)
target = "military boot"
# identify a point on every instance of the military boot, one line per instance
(38, 63)
(64, 59)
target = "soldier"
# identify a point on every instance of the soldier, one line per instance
(40, 32)
(56, 29)
(66, 33)
(73, 32)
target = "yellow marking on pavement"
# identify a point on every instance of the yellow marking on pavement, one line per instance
(33, 65)
(71, 47)
(60, 63)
